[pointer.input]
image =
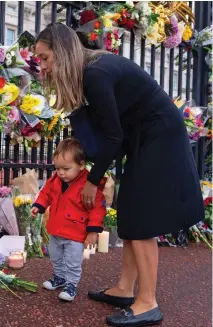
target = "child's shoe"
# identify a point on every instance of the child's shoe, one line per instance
(54, 283)
(69, 292)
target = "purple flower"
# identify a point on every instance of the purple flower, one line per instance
(4, 191)
(174, 25)
(186, 114)
(173, 41)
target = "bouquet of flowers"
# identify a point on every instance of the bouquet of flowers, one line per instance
(193, 118)
(28, 226)
(208, 211)
(11, 281)
(158, 22)
(110, 220)
(201, 232)
(8, 221)
(25, 114)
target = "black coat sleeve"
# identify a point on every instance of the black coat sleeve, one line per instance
(99, 92)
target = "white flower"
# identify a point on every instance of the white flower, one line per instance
(130, 3)
(8, 56)
(8, 62)
(137, 16)
(6, 98)
(12, 53)
(146, 9)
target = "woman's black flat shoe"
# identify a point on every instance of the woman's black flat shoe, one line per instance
(118, 301)
(126, 318)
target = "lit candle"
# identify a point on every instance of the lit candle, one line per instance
(16, 260)
(103, 242)
(93, 249)
(86, 254)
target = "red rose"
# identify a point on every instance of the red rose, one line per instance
(109, 36)
(93, 36)
(130, 24)
(207, 201)
(116, 52)
(87, 16)
(28, 130)
(97, 25)
(123, 21)
(2, 82)
(38, 127)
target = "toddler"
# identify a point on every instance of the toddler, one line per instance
(70, 225)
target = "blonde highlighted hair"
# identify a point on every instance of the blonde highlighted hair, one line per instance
(70, 60)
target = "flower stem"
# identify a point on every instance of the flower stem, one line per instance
(10, 290)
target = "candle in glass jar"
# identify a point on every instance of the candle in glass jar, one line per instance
(103, 242)
(16, 260)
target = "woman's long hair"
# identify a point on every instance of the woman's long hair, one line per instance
(70, 60)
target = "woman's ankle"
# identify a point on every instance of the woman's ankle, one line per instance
(119, 291)
(141, 306)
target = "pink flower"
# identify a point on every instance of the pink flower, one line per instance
(108, 44)
(36, 59)
(172, 41)
(14, 115)
(174, 24)
(4, 191)
(25, 53)
(2, 55)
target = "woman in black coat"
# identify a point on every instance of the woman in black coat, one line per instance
(159, 190)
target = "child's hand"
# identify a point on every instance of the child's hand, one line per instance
(34, 211)
(90, 240)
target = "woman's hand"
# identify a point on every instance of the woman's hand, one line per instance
(88, 195)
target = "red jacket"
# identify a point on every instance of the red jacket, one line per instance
(68, 218)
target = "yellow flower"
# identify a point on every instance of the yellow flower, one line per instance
(107, 22)
(108, 18)
(21, 200)
(187, 34)
(112, 212)
(53, 122)
(32, 104)
(10, 92)
(152, 34)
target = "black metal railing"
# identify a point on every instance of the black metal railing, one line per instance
(14, 160)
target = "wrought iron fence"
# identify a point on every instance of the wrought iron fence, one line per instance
(15, 159)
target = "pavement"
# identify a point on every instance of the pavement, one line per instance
(183, 292)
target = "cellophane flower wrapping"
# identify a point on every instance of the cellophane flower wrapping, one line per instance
(29, 226)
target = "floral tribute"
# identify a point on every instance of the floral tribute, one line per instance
(167, 22)
(201, 232)
(110, 220)
(31, 228)
(9, 282)
(194, 119)
(25, 114)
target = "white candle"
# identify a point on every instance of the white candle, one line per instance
(103, 242)
(93, 249)
(86, 254)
